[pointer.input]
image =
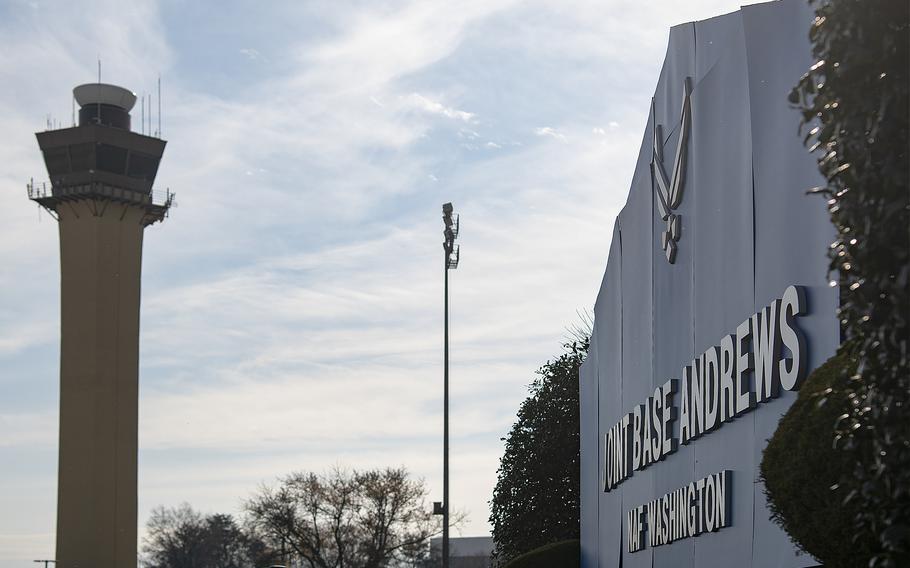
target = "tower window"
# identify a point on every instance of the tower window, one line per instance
(143, 166)
(111, 158)
(82, 157)
(58, 163)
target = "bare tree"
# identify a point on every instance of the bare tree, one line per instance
(371, 519)
(183, 538)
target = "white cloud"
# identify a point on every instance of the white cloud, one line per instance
(550, 131)
(433, 107)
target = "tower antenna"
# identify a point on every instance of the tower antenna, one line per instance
(159, 105)
(98, 118)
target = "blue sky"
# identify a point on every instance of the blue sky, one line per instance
(291, 309)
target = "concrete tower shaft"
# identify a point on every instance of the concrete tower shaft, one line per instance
(101, 177)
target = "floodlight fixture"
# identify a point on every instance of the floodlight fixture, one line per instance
(453, 257)
(450, 233)
(450, 219)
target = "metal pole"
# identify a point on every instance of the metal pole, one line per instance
(445, 459)
(451, 233)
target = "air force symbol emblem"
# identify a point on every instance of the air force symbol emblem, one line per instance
(670, 190)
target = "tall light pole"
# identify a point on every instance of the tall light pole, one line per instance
(451, 262)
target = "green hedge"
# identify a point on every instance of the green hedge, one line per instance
(801, 469)
(562, 554)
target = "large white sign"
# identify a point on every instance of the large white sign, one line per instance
(767, 352)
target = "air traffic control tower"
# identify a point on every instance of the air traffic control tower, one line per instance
(100, 192)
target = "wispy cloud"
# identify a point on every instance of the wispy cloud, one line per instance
(421, 102)
(250, 53)
(550, 131)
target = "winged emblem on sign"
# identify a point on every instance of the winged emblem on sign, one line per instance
(670, 189)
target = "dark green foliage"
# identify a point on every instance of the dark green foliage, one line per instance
(535, 501)
(563, 554)
(801, 470)
(855, 100)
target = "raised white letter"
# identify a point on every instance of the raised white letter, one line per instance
(745, 396)
(638, 414)
(646, 457)
(657, 403)
(766, 346)
(793, 368)
(712, 387)
(727, 386)
(685, 417)
(667, 439)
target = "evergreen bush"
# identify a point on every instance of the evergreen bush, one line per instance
(562, 554)
(801, 470)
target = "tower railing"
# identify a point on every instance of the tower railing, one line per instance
(36, 191)
(43, 190)
(156, 203)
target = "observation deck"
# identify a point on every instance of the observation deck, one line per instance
(156, 203)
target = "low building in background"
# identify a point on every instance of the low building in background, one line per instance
(464, 552)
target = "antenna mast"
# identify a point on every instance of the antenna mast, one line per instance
(98, 118)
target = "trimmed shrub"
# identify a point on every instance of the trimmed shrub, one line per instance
(562, 554)
(801, 469)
